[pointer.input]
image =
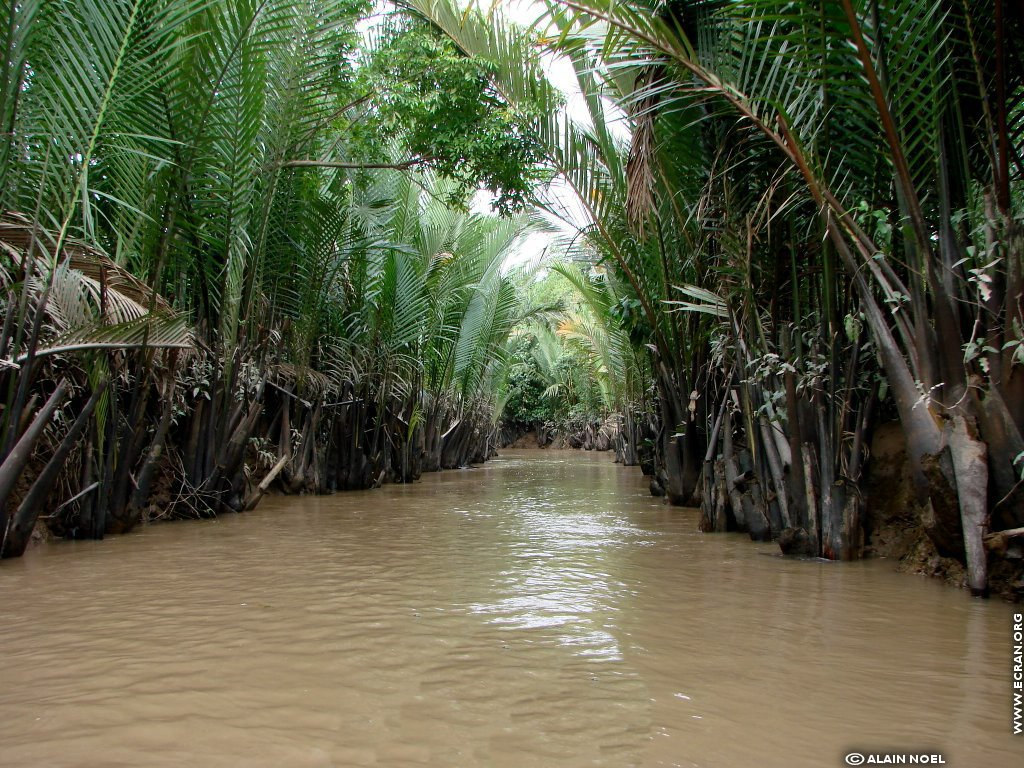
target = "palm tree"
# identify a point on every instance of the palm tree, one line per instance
(826, 185)
(210, 252)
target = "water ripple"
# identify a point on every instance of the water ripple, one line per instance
(542, 611)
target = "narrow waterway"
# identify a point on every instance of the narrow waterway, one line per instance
(541, 610)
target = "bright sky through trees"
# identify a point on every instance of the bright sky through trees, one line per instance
(571, 216)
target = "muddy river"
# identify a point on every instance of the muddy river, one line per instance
(541, 610)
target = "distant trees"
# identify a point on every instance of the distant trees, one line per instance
(574, 365)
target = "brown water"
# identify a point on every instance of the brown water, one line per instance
(542, 610)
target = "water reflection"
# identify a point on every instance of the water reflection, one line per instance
(560, 548)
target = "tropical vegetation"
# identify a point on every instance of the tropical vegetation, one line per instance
(818, 211)
(234, 255)
(239, 251)
(574, 377)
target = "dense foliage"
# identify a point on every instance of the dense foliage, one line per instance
(818, 213)
(573, 371)
(237, 251)
(237, 242)
(441, 103)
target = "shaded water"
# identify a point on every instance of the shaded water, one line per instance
(542, 610)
